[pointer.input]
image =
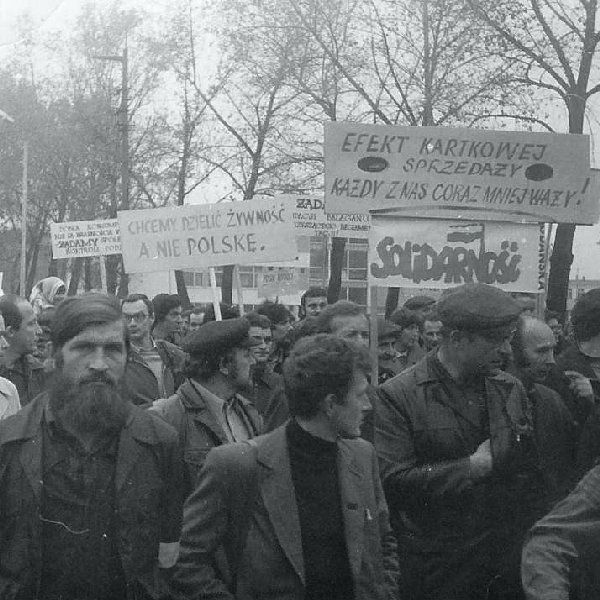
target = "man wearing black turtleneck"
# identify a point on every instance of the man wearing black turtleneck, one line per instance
(300, 512)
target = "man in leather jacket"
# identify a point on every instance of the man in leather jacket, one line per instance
(454, 437)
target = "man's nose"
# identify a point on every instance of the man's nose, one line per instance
(99, 361)
(549, 358)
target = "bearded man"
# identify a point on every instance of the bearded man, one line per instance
(90, 485)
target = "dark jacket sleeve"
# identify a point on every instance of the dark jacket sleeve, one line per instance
(173, 490)
(205, 523)
(388, 539)
(404, 478)
(563, 543)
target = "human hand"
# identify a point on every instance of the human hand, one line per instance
(481, 461)
(580, 385)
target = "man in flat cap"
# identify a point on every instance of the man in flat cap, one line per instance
(454, 436)
(209, 408)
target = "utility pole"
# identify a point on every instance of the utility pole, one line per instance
(124, 129)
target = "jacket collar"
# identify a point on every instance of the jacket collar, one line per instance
(277, 490)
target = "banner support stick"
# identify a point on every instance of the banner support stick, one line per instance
(373, 346)
(238, 288)
(215, 294)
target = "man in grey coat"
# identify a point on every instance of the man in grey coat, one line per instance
(299, 512)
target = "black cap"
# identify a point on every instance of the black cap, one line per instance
(417, 302)
(476, 306)
(217, 337)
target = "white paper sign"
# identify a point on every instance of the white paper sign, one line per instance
(192, 236)
(431, 253)
(543, 177)
(85, 238)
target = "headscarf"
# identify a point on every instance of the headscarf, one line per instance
(44, 293)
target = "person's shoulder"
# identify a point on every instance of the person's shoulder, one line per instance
(149, 427)
(8, 388)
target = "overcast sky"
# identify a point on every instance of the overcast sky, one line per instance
(52, 14)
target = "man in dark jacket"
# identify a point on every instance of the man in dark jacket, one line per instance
(455, 441)
(300, 511)
(18, 363)
(90, 486)
(210, 408)
(154, 367)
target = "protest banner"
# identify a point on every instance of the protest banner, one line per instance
(282, 281)
(310, 218)
(85, 238)
(436, 253)
(541, 177)
(206, 235)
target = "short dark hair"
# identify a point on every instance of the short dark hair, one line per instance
(404, 317)
(585, 316)
(201, 366)
(313, 292)
(552, 314)
(228, 311)
(276, 313)
(144, 299)
(257, 320)
(342, 308)
(9, 308)
(163, 304)
(76, 313)
(320, 365)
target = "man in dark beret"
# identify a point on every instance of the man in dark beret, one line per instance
(90, 485)
(454, 436)
(298, 513)
(211, 408)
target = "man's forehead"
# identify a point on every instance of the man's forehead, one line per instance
(432, 325)
(2, 323)
(132, 308)
(316, 300)
(256, 331)
(536, 333)
(101, 333)
(194, 318)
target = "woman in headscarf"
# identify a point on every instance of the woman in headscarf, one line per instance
(50, 291)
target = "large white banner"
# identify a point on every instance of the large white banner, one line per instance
(207, 235)
(435, 253)
(85, 238)
(544, 177)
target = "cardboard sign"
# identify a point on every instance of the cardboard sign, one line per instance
(542, 177)
(192, 236)
(432, 253)
(282, 281)
(85, 238)
(310, 218)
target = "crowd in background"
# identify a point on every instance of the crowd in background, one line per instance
(148, 450)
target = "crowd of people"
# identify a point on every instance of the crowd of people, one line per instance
(148, 450)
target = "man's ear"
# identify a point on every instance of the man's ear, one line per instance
(328, 403)
(224, 363)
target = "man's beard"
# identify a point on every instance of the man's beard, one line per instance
(92, 405)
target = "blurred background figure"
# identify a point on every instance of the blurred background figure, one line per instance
(9, 396)
(312, 302)
(387, 355)
(47, 292)
(554, 321)
(420, 305)
(195, 318)
(407, 343)
(167, 318)
(431, 333)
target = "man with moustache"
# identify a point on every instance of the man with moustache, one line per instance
(456, 447)
(90, 485)
(211, 407)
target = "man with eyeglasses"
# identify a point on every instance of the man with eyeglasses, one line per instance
(211, 407)
(154, 367)
(459, 465)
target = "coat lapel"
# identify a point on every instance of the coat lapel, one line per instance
(277, 491)
(351, 482)
(31, 463)
(129, 451)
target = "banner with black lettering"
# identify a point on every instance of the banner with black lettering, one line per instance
(508, 175)
(207, 235)
(85, 238)
(436, 253)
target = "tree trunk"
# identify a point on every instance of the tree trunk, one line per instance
(182, 289)
(112, 262)
(391, 301)
(562, 254)
(75, 276)
(87, 274)
(338, 247)
(227, 285)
